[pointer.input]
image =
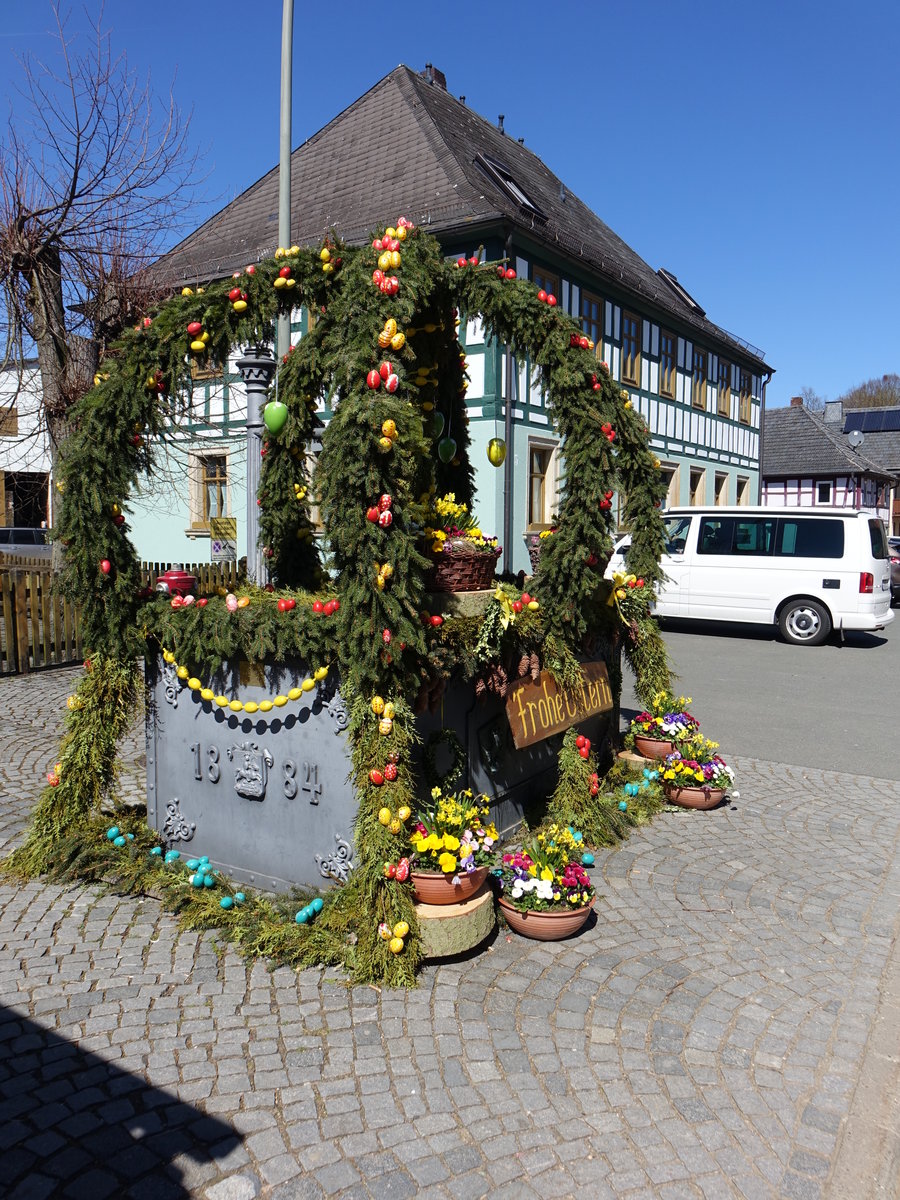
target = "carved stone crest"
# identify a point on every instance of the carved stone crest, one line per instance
(177, 828)
(251, 769)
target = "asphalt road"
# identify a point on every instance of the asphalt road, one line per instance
(833, 706)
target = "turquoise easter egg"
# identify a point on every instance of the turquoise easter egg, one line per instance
(204, 859)
(317, 905)
(130, 836)
(112, 832)
(226, 902)
(192, 864)
(302, 917)
(196, 881)
(208, 881)
(239, 897)
(156, 850)
(587, 860)
(120, 840)
(623, 806)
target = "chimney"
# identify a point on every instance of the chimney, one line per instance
(796, 401)
(500, 123)
(834, 412)
(435, 77)
(428, 73)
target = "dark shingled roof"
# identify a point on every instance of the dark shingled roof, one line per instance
(798, 442)
(408, 147)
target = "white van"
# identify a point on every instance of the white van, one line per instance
(807, 570)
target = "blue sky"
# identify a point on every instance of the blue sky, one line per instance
(750, 148)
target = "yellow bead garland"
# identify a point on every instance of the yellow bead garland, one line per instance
(249, 706)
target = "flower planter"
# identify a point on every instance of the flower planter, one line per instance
(434, 887)
(694, 797)
(652, 747)
(545, 925)
(462, 571)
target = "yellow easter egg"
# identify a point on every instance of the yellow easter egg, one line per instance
(401, 929)
(295, 694)
(395, 945)
(404, 812)
(320, 673)
(307, 685)
(265, 706)
(243, 601)
(389, 711)
(385, 725)
(396, 825)
(222, 701)
(207, 694)
(533, 605)
(194, 684)
(398, 341)
(280, 701)
(390, 327)
(387, 571)
(182, 672)
(377, 705)
(235, 705)
(384, 816)
(251, 707)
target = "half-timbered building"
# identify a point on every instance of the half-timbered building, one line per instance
(407, 146)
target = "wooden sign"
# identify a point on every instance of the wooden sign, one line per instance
(537, 710)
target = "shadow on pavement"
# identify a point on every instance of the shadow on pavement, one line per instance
(75, 1126)
(852, 638)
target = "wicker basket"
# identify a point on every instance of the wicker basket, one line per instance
(462, 571)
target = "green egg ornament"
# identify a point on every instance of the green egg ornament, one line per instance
(437, 424)
(446, 449)
(274, 416)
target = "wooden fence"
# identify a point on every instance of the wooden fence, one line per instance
(38, 628)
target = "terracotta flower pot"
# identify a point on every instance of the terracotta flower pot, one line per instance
(694, 797)
(434, 887)
(545, 925)
(652, 747)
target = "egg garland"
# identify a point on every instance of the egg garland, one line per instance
(251, 707)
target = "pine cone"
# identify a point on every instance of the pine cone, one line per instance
(534, 663)
(524, 665)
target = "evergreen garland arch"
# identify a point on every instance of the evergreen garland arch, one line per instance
(358, 324)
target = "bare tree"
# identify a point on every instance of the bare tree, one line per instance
(874, 393)
(95, 174)
(812, 400)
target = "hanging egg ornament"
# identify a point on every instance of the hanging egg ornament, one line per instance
(231, 602)
(446, 449)
(275, 414)
(496, 452)
(384, 816)
(401, 929)
(395, 945)
(385, 725)
(389, 429)
(377, 705)
(384, 931)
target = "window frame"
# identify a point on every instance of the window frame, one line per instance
(697, 491)
(631, 365)
(546, 281)
(745, 394)
(548, 486)
(742, 491)
(589, 326)
(723, 388)
(199, 514)
(825, 483)
(720, 489)
(668, 376)
(699, 359)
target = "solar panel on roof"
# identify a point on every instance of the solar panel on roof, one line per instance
(873, 420)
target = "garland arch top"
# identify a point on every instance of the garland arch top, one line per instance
(382, 348)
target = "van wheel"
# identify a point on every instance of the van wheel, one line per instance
(804, 622)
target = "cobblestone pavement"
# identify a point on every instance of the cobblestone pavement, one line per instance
(704, 1038)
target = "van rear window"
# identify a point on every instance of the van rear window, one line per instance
(878, 538)
(810, 537)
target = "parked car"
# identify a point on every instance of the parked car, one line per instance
(808, 571)
(24, 540)
(894, 550)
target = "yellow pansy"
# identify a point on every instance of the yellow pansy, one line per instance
(447, 863)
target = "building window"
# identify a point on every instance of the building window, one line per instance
(209, 488)
(698, 378)
(823, 493)
(631, 349)
(743, 490)
(670, 477)
(668, 348)
(592, 320)
(698, 489)
(721, 489)
(545, 282)
(540, 485)
(723, 387)
(744, 403)
(9, 422)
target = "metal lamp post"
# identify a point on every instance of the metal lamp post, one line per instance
(256, 368)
